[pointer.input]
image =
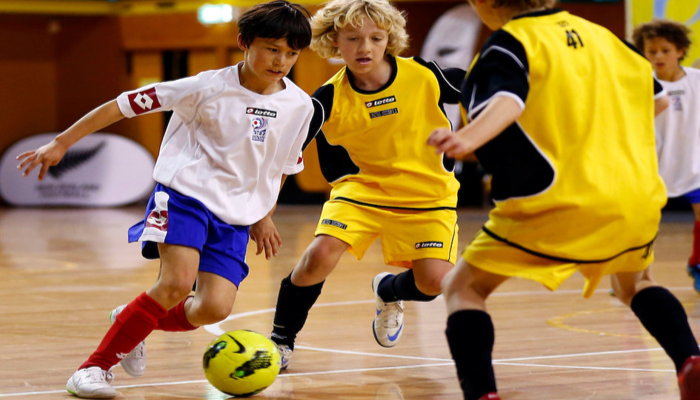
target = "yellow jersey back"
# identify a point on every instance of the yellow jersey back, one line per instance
(576, 177)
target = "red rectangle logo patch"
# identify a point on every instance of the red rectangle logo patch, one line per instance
(142, 102)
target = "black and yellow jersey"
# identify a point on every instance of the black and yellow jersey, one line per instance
(373, 145)
(576, 177)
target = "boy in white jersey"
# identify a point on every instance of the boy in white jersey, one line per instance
(377, 113)
(665, 43)
(233, 129)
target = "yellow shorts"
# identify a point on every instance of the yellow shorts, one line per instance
(406, 235)
(499, 258)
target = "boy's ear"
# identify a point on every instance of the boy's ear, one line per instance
(242, 45)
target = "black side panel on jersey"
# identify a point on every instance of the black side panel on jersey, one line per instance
(517, 167)
(322, 100)
(657, 86)
(335, 161)
(502, 67)
(450, 81)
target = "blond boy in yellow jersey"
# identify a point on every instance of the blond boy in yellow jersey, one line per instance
(562, 115)
(378, 112)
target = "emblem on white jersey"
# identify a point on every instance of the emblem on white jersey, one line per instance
(259, 129)
(146, 100)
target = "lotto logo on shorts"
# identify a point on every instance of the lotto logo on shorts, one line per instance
(429, 245)
(158, 220)
(144, 101)
(334, 223)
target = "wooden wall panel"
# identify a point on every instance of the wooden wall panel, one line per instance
(91, 69)
(201, 60)
(147, 68)
(27, 78)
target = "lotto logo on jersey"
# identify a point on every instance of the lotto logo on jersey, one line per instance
(144, 101)
(429, 245)
(259, 129)
(380, 102)
(260, 112)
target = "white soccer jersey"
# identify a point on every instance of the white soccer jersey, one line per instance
(678, 135)
(225, 145)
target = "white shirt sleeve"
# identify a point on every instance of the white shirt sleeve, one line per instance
(180, 96)
(295, 161)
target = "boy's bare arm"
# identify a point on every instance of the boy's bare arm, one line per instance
(661, 104)
(51, 153)
(264, 233)
(496, 117)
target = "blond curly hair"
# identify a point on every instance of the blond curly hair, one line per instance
(337, 14)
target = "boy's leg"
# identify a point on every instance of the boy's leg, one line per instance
(140, 317)
(660, 313)
(694, 261)
(299, 291)
(212, 302)
(470, 332)
(421, 283)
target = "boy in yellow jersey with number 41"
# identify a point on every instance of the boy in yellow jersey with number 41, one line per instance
(562, 115)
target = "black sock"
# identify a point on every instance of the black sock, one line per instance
(470, 335)
(401, 287)
(293, 305)
(664, 317)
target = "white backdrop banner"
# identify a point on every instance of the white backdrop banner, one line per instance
(100, 170)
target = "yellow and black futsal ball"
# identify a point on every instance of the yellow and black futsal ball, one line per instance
(241, 363)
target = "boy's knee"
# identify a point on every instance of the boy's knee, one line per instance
(430, 285)
(211, 314)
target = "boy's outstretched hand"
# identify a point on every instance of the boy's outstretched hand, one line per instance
(448, 142)
(47, 155)
(266, 236)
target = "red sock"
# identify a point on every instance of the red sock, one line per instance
(133, 325)
(695, 257)
(176, 321)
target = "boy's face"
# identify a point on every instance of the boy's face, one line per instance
(664, 55)
(362, 47)
(269, 59)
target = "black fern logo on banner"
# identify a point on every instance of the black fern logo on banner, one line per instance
(73, 159)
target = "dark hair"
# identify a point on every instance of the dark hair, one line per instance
(674, 32)
(277, 19)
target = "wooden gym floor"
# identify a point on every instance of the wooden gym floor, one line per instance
(63, 270)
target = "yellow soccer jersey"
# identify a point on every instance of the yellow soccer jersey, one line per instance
(576, 177)
(372, 146)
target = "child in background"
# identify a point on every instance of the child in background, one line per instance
(235, 134)
(665, 44)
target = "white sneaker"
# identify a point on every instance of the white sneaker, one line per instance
(91, 383)
(388, 323)
(285, 355)
(133, 363)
